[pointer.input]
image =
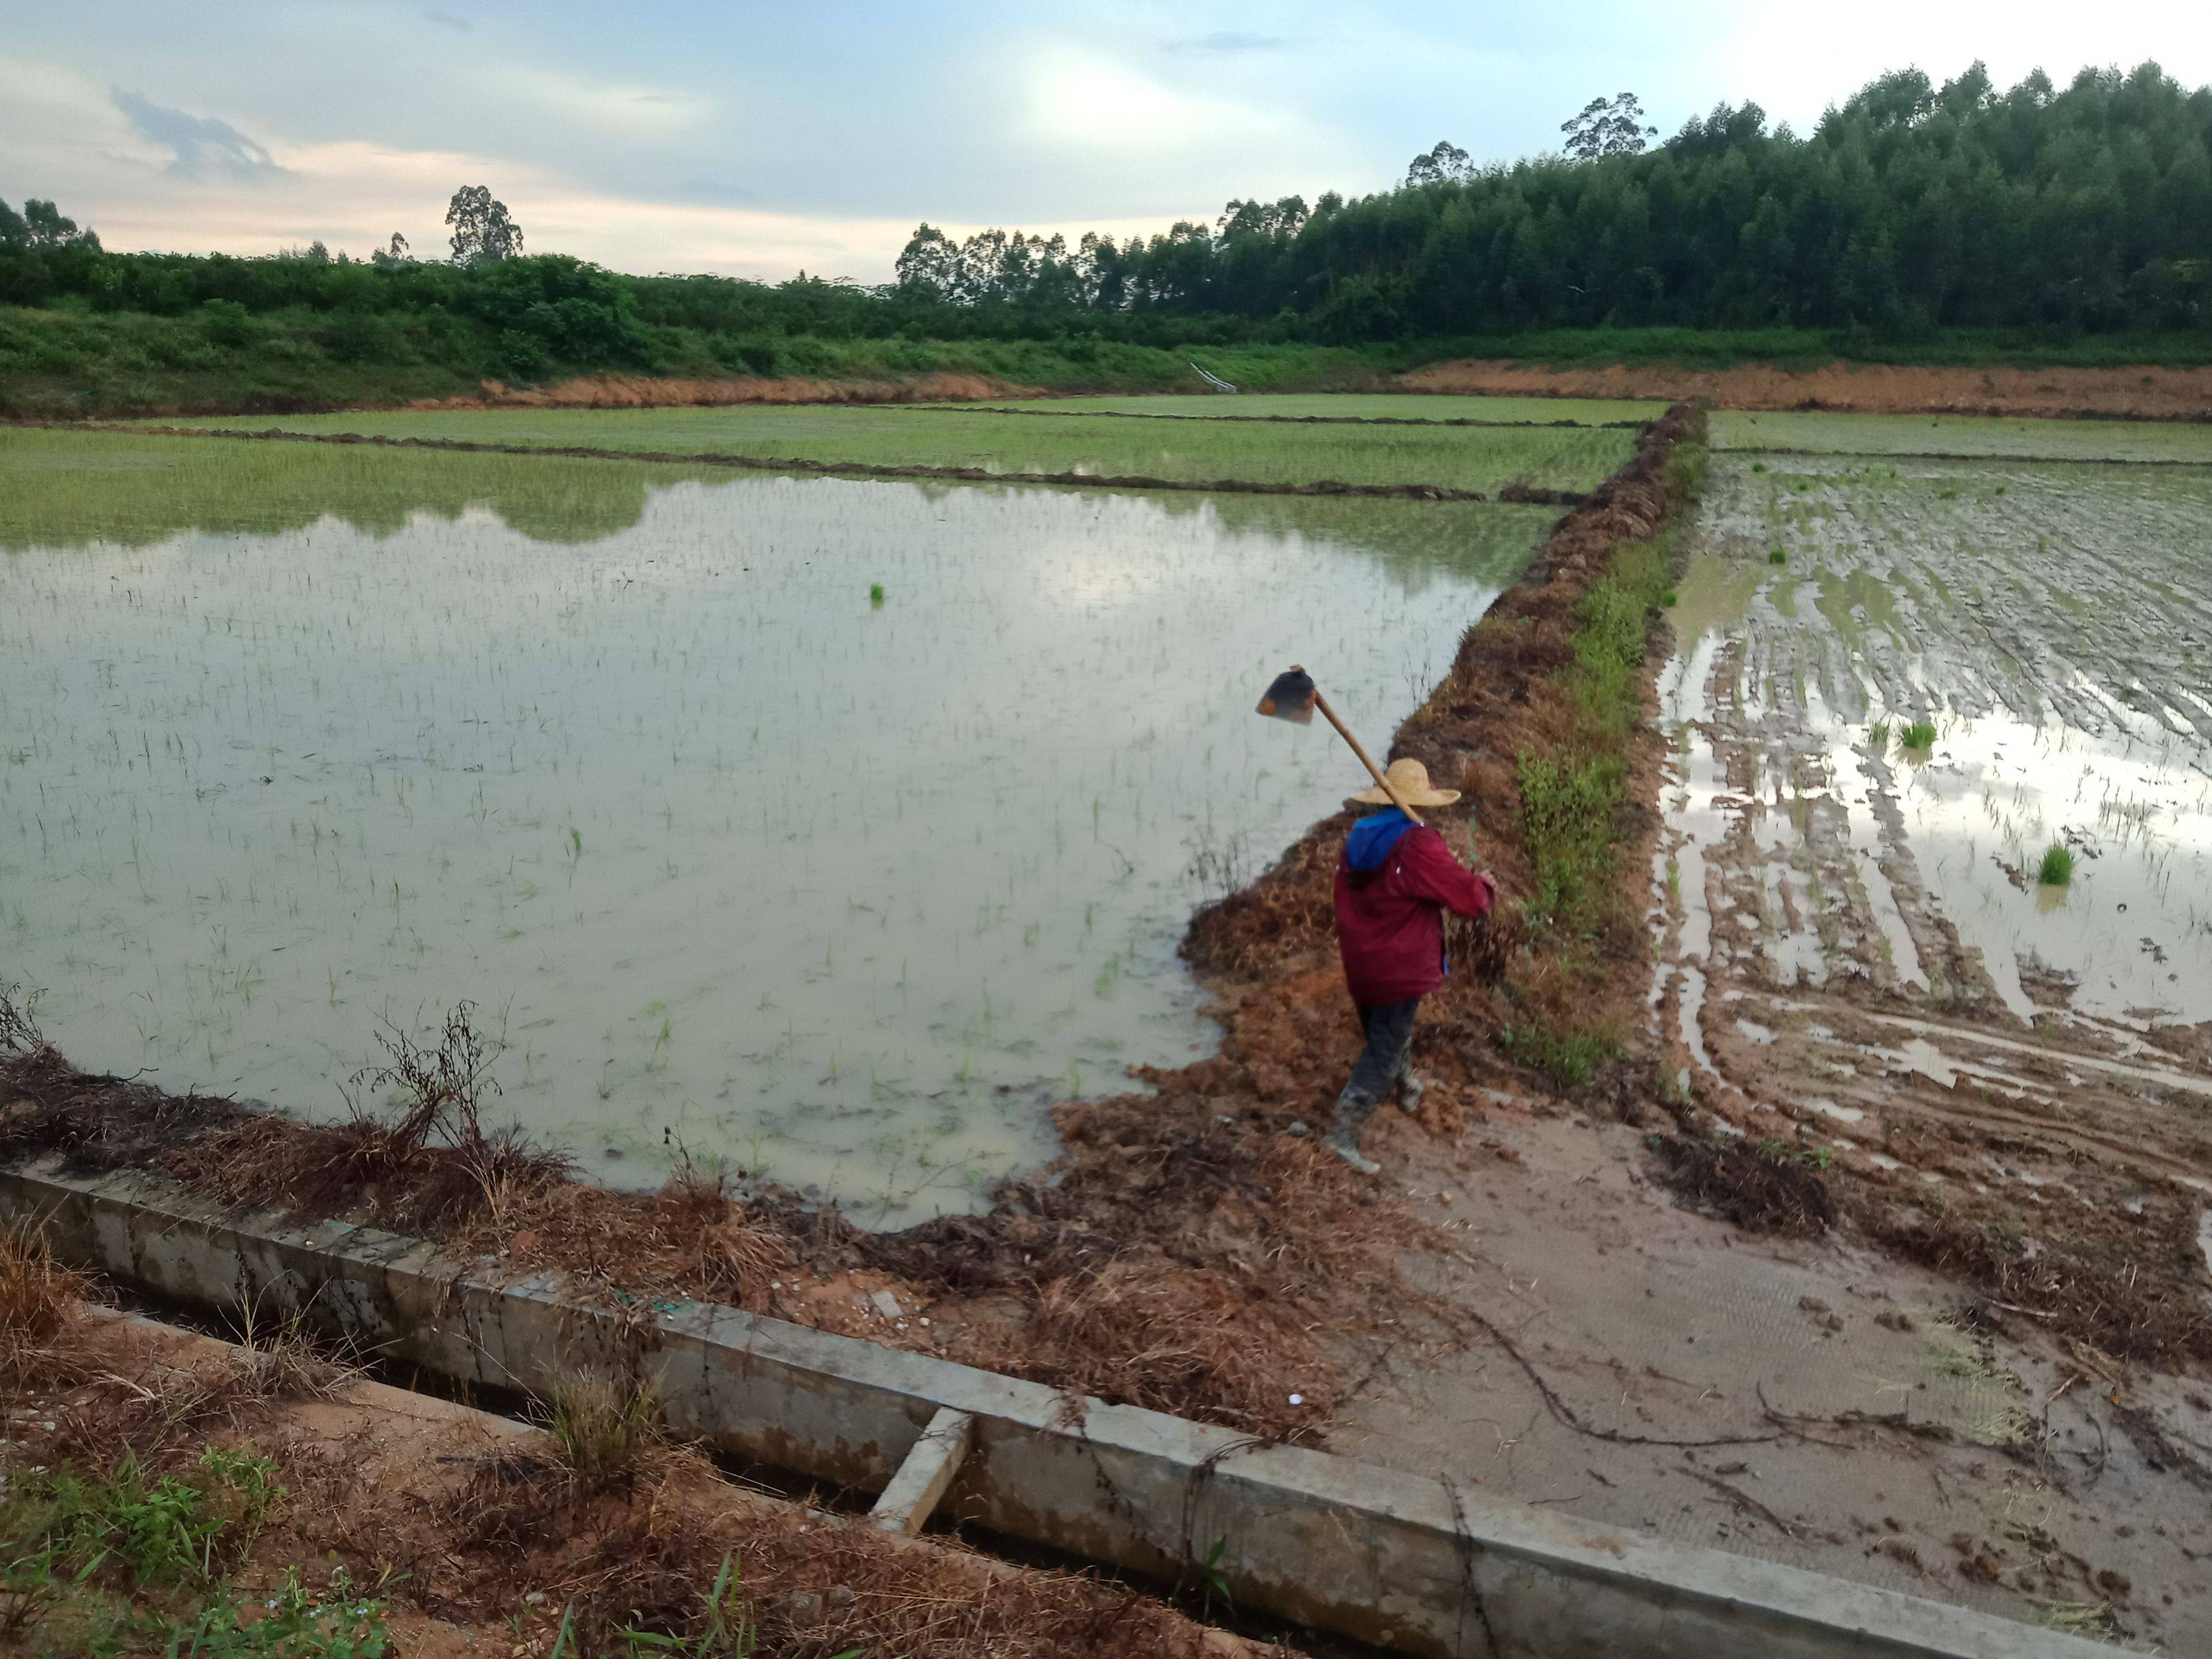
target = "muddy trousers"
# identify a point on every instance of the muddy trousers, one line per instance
(1382, 1066)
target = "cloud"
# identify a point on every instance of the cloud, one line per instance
(1227, 40)
(199, 145)
(710, 189)
(1093, 104)
(446, 20)
(641, 112)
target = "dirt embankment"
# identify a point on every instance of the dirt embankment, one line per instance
(2136, 392)
(1187, 1251)
(673, 392)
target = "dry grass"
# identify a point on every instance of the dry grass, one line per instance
(40, 1302)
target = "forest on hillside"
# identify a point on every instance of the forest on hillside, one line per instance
(1957, 206)
(1909, 211)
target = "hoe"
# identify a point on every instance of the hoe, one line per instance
(1293, 696)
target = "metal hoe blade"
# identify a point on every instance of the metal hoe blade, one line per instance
(1289, 698)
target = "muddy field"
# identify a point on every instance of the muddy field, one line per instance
(1859, 933)
(1895, 685)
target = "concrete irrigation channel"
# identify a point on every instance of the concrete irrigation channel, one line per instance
(1402, 1562)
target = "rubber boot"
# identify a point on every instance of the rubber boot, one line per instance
(1344, 1131)
(1412, 1085)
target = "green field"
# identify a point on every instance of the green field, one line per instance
(1346, 406)
(1449, 457)
(1825, 434)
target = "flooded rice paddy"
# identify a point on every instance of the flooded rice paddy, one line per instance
(732, 852)
(1342, 406)
(1484, 460)
(1818, 431)
(1854, 916)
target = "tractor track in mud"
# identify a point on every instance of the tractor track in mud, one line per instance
(1859, 965)
(1516, 494)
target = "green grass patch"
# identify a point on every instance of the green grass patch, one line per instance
(123, 1561)
(1570, 1059)
(1610, 635)
(1569, 810)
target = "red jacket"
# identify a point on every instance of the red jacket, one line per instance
(1390, 908)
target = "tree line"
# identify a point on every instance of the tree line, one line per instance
(1908, 204)
(1908, 207)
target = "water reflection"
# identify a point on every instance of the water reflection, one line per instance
(733, 857)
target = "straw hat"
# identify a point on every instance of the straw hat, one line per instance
(1411, 779)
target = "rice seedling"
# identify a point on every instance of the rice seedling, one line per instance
(1778, 557)
(1918, 735)
(2057, 869)
(1878, 737)
(1472, 458)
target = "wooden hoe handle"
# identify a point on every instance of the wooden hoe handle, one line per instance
(1374, 771)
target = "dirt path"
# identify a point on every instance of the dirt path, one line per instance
(2139, 393)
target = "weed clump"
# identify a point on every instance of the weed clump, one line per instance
(607, 1433)
(1778, 557)
(1770, 1188)
(2057, 869)
(1919, 735)
(433, 1166)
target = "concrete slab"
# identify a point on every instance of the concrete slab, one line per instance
(1402, 1561)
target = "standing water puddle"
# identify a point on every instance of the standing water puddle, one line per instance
(731, 856)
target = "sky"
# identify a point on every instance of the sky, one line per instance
(759, 140)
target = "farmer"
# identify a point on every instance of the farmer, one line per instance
(1395, 882)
